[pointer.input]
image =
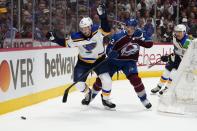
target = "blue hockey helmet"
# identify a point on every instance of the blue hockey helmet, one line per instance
(131, 22)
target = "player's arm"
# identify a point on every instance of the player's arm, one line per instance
(142, 39)
(53, 37)
(105, 27)
(145, 44)
(72, 41)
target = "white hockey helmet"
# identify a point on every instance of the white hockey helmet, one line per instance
(85, 22)
(180, 27)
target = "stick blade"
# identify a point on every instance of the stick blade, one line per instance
(64, 100)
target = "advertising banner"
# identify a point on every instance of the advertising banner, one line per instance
(29, 71)
(24, 72)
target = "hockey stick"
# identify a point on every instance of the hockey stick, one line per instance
(64, 100)
(149, 64)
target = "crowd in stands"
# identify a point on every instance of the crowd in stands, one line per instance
(64, 15)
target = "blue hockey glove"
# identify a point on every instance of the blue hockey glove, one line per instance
(113, 54)
(138, 35)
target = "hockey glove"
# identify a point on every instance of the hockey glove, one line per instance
(164, 58)
(54, 38)
(101, 10)
(51, 36)
(168, 58)
(171, 57)
(113, 54)
(138, 35)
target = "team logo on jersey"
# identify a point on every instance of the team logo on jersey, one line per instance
(89, 47)
(130, 49)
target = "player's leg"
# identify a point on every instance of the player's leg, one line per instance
(168, 83)
(163, 80)
(173, 66)
(106, 81)
(136, 81)
(131, 72)
(80, 69)
(97, 86)
(106, 90)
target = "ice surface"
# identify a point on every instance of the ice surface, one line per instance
(130, 115)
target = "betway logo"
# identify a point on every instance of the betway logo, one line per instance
(58, 66)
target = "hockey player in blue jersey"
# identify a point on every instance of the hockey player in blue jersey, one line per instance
(123, 51)
(181, 42)
(89, 41)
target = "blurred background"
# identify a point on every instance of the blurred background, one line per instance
(24, 23)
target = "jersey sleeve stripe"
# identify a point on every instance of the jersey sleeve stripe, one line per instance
(76, 40)
(94, 32)
(103, 32)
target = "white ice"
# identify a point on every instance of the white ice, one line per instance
(130, 115)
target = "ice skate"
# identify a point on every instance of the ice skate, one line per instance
(156, 89)
(107, 103)
(146, 104)
(88, 98)
(163, 91)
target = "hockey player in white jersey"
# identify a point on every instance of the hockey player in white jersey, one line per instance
(89, 41)
(181, 42)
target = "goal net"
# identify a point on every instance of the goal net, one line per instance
(181, 97)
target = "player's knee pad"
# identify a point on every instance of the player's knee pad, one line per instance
(81, 86)
(97, 84)
(173, 74)
(136, 81)
(106, 81)
(166, 73)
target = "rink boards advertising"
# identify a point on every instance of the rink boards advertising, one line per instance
(31, 75)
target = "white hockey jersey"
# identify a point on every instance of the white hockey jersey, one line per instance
(91, 48)
(181, 46)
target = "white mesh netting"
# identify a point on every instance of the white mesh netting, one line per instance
(181, 98)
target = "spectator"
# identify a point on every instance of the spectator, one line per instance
(193, 29)
(185, 22)
(142, 7)
(165, 16)
(148, 28)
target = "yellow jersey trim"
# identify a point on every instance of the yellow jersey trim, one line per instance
(104, 33)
